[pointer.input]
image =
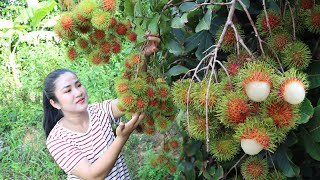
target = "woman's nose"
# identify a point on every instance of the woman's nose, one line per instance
(77, 92)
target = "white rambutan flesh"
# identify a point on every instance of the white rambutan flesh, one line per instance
(250, 146)
(294, 93)
(257, 91)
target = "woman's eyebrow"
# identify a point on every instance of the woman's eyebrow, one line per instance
(67, 86)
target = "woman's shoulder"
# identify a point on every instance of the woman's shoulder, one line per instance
(57, 133)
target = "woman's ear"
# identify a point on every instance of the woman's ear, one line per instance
(55, 104)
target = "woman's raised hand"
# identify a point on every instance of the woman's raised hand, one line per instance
(125, 129)
(152, 43)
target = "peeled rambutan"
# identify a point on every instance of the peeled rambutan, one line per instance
(279, 40)
(199, 96)
(296, 55)
(109, 5)
(313, 20)
(224, 148)
(255, 78)
(132, 36)
(254, 168)
(256, 134)
(180, 93)
(116, 47)
(274, 20)
(233, 108)
(121, 29)
(72, 53)
(105, 47)
(100, 19)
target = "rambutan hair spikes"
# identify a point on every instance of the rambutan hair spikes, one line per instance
(256, 134)
(109, 5)
(200, 93)
(279, 40)
(86, 8)
(296, 55)
(233, 109)
(224, 147)
(229, 40)
(181, 95)
(292, 86)
(100, 19)
(256, 79)
(313, 20)
(274, 20)
(254, 168)
(121, 86)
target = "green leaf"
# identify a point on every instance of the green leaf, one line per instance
(245, 2)
(284, 163)
(138, 9)
(205, 43)
(128, 8)
(292, 139)
(40, 13)
(153, 25)
(306, 111)
(177, 23)
(218, 173)
(312, 147)
(314, 124)
(314, 74)
(274, 6)
(175, 48)
(190, 174)
(193, 41)
(205, 22)
(187, 6)
(177, 70)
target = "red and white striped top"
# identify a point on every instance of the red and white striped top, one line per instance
(68, 147)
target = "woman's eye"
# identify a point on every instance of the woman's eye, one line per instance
(79, 85)
(69, 90)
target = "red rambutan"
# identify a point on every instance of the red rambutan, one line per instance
(254, 168)
(116, 47)
(71, 53)
(132, 36)
(121, 29)
(109, 5)
(105, 47)
(113, 22)
(274, 21)
(99, 35)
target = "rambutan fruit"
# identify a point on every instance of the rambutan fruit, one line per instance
(313, 20)
(121, 29)
(109, 5)
(98, 35)
(229, 40)
(72, 53)
(162, 91)
(279, 40)
(283, 114)
(86, 8)
(255, 78)
(141, 104)
(133, 61)
(153, 102)
(166, 146)
(149, 120)
(132, 36)
(174, 143)
(95, 57)
(197, 125)
(180, 93)
(149, 130)
(233, 108)
(121, 86)
(172, 168)
(254, 168)
(138, 86)
(116, 47)
(292, 86)
(150, 78)
(199, 96)
(84, 29)
(150, 92)
(256, 134)
(66, 4)
(300, 17)
(276, 175)
(306, 4)
(105, 47)
(82, 44)
(100, 19)
(153, 162)
(106, 59)
(162, 124)
(128, 100)
(66, 21)
(224, 148)
(113, 22)
(296, 55)
(274, 20)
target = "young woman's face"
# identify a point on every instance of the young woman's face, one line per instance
(72, 96)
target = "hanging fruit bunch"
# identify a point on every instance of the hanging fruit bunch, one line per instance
(93, 30)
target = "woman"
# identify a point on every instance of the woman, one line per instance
(80, 136)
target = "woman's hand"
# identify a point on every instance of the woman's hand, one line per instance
(125, 129)
(152, 43)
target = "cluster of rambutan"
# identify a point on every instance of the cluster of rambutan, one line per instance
(93, 29)
(253, 109)
(141, 92)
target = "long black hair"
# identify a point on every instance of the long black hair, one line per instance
(51, 114)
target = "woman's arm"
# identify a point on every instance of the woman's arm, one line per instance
(104, 164)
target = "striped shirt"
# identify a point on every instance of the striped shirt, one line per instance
(68, 148)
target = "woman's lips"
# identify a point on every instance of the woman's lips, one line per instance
(80, 101)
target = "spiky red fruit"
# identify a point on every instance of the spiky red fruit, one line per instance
(166, 147)
(274, 21)
(154, 163)
(132, 36)
(96, 58)
(174, 144)
(237, 110)
(149, 130)
(83, 43)
(121, 29)
(140, 103)
(254, 168)
(84, 29)
(72, 53)
(307, 4)
(172, 168)
(282, 114)
(150, 92)
(127, 100)
(105, 47)
(315, 19)
(256, 134)
(233, 68)
(99, 35)
(109, 5)
(153, 102)
(150, 121)
(229, 37)
(66, 21)
(113, 22)
(116, 47)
